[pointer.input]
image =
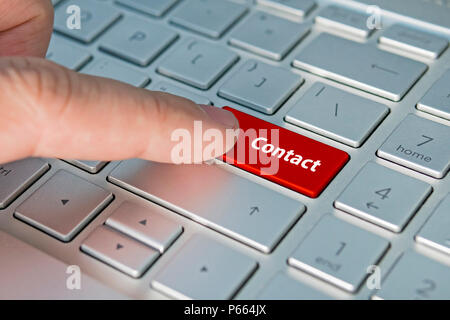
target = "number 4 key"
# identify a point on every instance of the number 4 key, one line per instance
(383, 196)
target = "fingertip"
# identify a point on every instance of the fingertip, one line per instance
(222, 116)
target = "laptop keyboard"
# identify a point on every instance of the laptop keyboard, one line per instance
(216, 231)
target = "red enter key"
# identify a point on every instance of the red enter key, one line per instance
(282, 156)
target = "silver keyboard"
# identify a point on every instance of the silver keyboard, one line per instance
(155, 231)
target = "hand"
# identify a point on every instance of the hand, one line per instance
(50, 111)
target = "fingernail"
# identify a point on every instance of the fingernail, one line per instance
(220, 115)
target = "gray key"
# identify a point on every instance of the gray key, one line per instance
(112, 69)
(282, 287)
(154, 7)
(67, 55)
(416, 277)
(137, 40)
(119, 251)
(268, 35)
(337, 114)
(370, 69)
(17, 176)
(208, 17)
(63, 205)
(204, 269)
(169, 88)
(436, 231)
(96, 17)
(199, 64)
(88, 165)
(419, 144)
(346, 20)
(437, 100)
(147, 225)
(298, 8)
(413, 40)
(339, 253)
(257, 216)
(383, 196)
(260, 86)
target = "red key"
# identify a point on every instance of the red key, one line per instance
(285, 157)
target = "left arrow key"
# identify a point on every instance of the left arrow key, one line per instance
(62, 218)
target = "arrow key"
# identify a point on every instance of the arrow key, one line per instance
(204, 269)
(63, 205)
(261, 230)
(119, 251)
(148, 225)
(383, 196)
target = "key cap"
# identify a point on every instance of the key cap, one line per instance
(169, 88)
(119, 251)
(196, 63)
(383, 196)
(413, 40)
(17, 176)
(258, 217)
(333, 252)
(112, 69)
(207, 17)
(27, 273)
(147, 225)
(434, 12)
(370, 69)
(155, 8)
(419, 144)
(284, 157)
(298, 8)
(416, 277)
(435, 233)
(87, 165)
(96, 17)
(63, 205)
(345, 20)
(337, 114)
(204, 269)
(437, 100)
(268, 35)
(137, 40)
(260, 86)
(67, 55)
(282, 287)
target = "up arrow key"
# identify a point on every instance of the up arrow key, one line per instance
(253, 210)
